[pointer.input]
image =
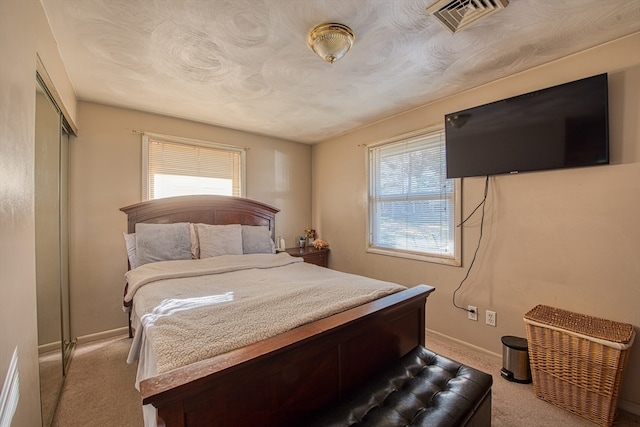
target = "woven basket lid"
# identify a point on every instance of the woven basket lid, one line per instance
(582, 324)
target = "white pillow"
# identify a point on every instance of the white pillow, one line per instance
(216, 240)
(130, 242)
(162, 242)
(195, 248)
(256, 239)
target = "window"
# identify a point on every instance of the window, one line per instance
(175, 166)
(413, 207)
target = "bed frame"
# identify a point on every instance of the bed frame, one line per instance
(281, 380)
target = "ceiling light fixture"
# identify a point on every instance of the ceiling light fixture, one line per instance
(330, 41)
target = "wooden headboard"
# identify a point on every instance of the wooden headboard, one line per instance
(205, 209)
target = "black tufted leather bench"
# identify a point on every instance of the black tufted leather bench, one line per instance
(422, 389)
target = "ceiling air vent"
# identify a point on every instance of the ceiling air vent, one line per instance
(457, 14)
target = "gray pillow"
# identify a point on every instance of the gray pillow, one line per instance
(256, 239)
(216, 240)
(162, 242)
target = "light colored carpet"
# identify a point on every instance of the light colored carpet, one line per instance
(514, 404)
(51, 380)
(99, 390)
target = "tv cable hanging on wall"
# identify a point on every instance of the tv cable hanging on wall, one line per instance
(475, 254)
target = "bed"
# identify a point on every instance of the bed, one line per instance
(279, 379)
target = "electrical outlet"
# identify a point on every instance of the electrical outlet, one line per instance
(472, 313)
(490, 318)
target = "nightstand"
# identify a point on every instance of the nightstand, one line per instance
(311, 255)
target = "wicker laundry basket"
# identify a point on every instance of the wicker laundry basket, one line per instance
(577, 361)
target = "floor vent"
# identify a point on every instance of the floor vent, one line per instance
(457, 14)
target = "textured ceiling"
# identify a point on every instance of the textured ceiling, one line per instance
(245, 64)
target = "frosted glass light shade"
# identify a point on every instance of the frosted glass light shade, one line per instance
(330, 41)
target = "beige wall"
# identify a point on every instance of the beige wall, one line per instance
(568, 238)
(24, 34)
(106, 175)
(565, 238)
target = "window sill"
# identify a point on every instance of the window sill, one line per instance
(415, 256)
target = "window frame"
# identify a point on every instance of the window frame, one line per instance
(189, 142)
(455, 258)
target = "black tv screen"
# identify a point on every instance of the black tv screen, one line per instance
(559, 127)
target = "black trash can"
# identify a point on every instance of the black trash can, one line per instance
(515, 360)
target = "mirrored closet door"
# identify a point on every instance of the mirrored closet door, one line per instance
(52, 248)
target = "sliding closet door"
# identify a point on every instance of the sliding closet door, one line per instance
(48, 271)
(67, 343)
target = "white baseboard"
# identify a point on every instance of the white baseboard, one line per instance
(103, 335)
(627, 405)
(463, 343)
(46, 348)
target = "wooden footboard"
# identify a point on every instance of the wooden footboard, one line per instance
(278, 381)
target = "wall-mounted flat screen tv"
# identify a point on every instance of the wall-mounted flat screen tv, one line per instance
(559, 127)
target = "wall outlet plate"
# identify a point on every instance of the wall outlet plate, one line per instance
(490, 318)
(472, 313)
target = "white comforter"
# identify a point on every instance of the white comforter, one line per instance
(195, 309)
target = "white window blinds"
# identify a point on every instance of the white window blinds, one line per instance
(412, 205)
(176, 168)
